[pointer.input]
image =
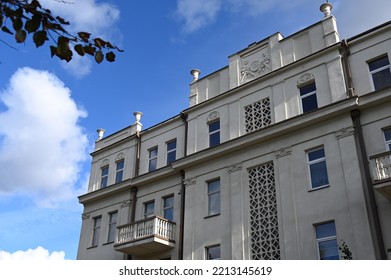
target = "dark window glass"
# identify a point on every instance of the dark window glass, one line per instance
(214, 133)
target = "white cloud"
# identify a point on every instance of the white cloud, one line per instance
(87, 16)
(38, 253)
(197, 14)
(41, 142)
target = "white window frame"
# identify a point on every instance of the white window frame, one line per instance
(315, 161)
(149, 214)
(371, 72)
(112, 226)
(211, 194)
(213, 132)
(152, 158)
(387, 142)
(169, 206)
(119, 171)
(104, 177)
(328, 238)
(212, 247)
(308, 94)
(173, 150)
(96, 231)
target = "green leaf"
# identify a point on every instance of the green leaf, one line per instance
(6, 30)
(53, 50)
(84, 36)
(99, 42)
(99, 56)
(40, 37)
(20, 36)
(62, 21)
(33, 24)
(62, 45)
(17, 24)
(79, 49)
(89, 49)
(110, 57)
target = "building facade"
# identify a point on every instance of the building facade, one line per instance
(283, 154)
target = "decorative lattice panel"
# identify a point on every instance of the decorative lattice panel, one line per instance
(257, 115)
(263, 214)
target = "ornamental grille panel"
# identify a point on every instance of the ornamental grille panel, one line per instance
(257, 115)
(264, 235)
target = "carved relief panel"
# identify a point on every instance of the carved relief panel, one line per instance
(255, 64)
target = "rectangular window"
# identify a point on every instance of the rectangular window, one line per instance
(149, 209)
(326, 238)
(213, 252)
(214, 133)
(152, 159)
(104, 176)
(112, 226)
(168, 208)
(120, 171)
(171, 151)
(317, 168)
(308, 98)
(387, 138)
(96, 231)
(380, 72)
(214, 197)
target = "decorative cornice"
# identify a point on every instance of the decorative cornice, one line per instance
(104, 162)
(120, 157)
(305, 79)
(286, 151)
(235, 167)
(344, 132)
(213, 116)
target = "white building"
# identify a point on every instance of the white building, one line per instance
(283, 154)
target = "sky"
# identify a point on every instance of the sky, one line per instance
(50, 110)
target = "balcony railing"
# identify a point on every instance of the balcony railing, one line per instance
(381, 166)
(149, 227)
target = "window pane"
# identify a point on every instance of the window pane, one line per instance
(387, 134)
(214, 186)
(213, 253)
(118, 176)
(105, 171)
(112, 227)
(376, 64)
(328, 250)
(96, 231)
(316, 154)
(152, 164)
(214, 139)
(214, 204)
(120, 165)
(309, 103)
(171, 145)
(214, 126)
(149, 209)
(382, 79)
(319, 174)
(153, 153)
(307, 89)
(325, 230)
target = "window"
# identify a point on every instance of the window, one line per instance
(104, 176)
(96, 231)
(387, 137)
(152, 159)
(317, 168)
(326, 238)
(214, 197)
(112, 226)
(214, 133)
(308, 97)
(168, 208)
(149, 209)
(380, 72)
(213, 252)
(120, 171)
(171, 151)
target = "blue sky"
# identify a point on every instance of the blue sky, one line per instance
(50, 110)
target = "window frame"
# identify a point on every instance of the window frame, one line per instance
(168, 207)
(149, 214)
(112, 227)
(119, 172)
(211, 195)
(214, 135)
(207, 250)
(304, 95)
(326, 238)
(152, 159)
(104, 178)
(317, 161)
(377, 70)
(386, 133)
(96, 231)
(170, 152)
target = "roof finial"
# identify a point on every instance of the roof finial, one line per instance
(326, 8)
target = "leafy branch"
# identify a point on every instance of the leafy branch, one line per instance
(21, 18)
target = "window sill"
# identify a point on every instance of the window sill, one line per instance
(211, 216)
(107, 243)
(91, 247)
(319, 188)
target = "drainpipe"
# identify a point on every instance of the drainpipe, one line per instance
(132, 209)
(184, 119)
(138, 149)
(345, 52)
(182, 216)
(369, 194)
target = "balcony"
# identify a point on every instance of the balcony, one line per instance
(146, 236)
(381, 166)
